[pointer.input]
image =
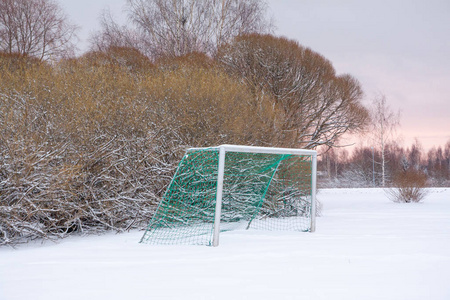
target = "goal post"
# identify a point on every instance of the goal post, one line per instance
(219, 194)
(230, 187)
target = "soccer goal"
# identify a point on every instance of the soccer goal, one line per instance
(233, 187)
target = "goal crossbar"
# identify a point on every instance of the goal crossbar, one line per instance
(255, 149)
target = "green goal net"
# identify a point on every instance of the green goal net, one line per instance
(235, 187)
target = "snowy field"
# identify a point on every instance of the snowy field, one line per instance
(365, 247)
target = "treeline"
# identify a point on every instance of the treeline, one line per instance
(362, 168)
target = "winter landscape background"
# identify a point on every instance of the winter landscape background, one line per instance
(90, 139)
(89, 143)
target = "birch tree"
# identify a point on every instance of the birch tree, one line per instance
(384, 122)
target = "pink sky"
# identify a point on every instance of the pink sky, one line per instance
(398, 48)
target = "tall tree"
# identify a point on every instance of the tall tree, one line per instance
(179, 27)
(446, 162)
(37, 28)
(316, 105)
(384, 122)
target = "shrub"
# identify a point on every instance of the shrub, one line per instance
(90, 144)
(408, 186)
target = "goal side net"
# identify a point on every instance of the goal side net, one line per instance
(233, 187)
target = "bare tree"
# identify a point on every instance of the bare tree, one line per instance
(317, 105)
(179, 27)
(113, 35)
(447, 158)
(37, 28)
(384, 124)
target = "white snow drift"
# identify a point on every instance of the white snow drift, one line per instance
(364, 247)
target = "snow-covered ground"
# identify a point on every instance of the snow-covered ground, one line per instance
(365, 247)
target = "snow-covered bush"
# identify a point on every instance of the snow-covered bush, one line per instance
(91, 144)
(408, 186)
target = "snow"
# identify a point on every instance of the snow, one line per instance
(365, 247)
